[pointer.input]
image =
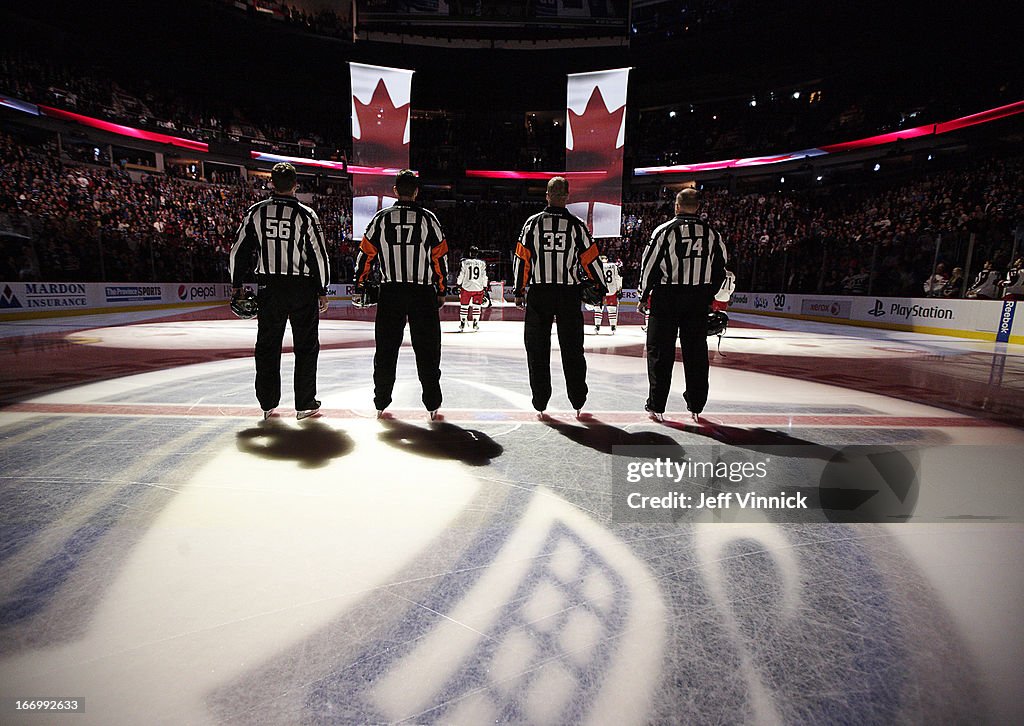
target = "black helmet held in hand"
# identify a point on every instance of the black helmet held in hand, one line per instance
(366, 294)
(591, 292)
(244, 305)
(718, 321)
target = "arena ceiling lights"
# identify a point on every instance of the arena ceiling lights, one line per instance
(992, 114)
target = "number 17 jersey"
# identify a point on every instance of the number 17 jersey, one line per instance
(553, 245)
(407, 242)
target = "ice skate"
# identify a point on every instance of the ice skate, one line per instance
(308, 412)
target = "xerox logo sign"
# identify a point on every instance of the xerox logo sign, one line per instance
(878, 310)
(826, 308)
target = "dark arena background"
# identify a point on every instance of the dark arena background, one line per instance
(169, 557)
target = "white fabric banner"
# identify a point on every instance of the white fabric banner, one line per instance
(595, 132)
(380, 137)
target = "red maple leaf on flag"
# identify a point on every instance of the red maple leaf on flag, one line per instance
(594, 133)
(381, 141)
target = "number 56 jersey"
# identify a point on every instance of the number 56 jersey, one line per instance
(553, 245)
(280, 236)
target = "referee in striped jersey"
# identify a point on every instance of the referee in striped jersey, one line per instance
(552, 247)
(683, 267)
(406, 241)
(284, 239)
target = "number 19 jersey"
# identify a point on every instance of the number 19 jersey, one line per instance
(473, 275)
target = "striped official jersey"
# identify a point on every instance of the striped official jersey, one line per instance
(612, 277)
(552, 245)
(683, 251)
(473, 275)
(287, 238)
(407, 242)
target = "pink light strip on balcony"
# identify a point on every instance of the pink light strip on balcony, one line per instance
(124, 130)
(991, 114)
(536, 175)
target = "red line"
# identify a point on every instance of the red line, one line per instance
(511, 415)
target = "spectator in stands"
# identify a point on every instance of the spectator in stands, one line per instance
(955, 284)
(856, 283)
(933, 285)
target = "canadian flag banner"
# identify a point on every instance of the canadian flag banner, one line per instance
(595, 132)
(380, 137)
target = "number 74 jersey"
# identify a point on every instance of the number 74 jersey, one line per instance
(553, 245)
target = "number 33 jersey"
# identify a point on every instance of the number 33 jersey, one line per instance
(407, 242)
(553, 245)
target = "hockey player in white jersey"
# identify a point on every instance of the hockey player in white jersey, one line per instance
(473, 282)
(613, 279)
(986, 284)
(1011, 287)
(724, 295)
